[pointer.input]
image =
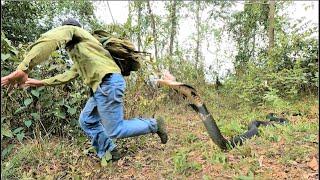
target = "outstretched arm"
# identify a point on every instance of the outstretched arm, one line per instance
(17, 77)
(62, 78)
(39, 52)
(55, 80)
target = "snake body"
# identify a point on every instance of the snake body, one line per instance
(210, 124)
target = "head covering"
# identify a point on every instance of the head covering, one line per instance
(72, 22)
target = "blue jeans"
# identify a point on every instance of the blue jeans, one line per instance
(102, 117)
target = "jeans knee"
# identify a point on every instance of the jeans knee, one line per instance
(82, 122)
(114, 129)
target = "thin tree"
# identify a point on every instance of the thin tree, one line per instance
(129, 20)
(173, 26)
(139, 24)
(198, 32)
(271, 24)
(154, 33)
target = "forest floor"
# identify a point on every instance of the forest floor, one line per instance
(280, 152)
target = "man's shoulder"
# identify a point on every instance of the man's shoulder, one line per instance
(66, 29)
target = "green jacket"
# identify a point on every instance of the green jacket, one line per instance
(90, 60)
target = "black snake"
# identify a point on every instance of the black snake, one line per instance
(214, 132)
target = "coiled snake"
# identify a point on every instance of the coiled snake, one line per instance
(214, 132)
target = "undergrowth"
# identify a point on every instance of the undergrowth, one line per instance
(190, 153)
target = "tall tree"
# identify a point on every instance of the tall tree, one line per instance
(129, 21)
(173, 18)
(139, 24)
(154, 32)
(245, 27)
(271, 24)
(198, 22)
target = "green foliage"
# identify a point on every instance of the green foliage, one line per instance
(245, 26)
(24, 21)
(218, 158)
(10, 169)
(288, 71)
(182, 165)
(273, 88)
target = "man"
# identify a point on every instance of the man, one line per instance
(102, 117)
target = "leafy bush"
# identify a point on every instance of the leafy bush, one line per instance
(286, 72)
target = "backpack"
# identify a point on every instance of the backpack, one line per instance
(122, 51)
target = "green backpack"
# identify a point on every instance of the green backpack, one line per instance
(122, 51)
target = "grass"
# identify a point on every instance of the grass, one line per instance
(281, 152)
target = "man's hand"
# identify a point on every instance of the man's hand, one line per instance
(16, 78)
(33, 83)
(166, 75)
(166, 78)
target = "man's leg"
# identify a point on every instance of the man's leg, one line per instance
(109, 99)
(90, 122)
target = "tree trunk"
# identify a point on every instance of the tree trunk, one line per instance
(154, 33)
(271, 24)
(198, 33)
(139, 24)
(173, 26)
(130, 20)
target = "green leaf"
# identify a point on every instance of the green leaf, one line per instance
(28, 101)
(17, 130)
(7, 41)
(19, 110)
(14, 51)
(72, 111)
(106, 158)
(59, 114)
(20, 136)
(5, 56)
(5, 131)
(7, 151)
(36, 116)
(28, 123)
(36, 93)
(2, 119)
(61, 102)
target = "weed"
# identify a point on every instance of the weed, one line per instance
(13, 169)
(219, 158)
(191, 138)
(250, 176)
(181, 164)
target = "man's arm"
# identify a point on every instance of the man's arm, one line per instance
(39, 52)
(44, 46)
(62, 78)
(55, 80)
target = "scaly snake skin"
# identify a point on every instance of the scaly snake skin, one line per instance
(214, 132)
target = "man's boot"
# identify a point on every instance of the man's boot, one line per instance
(162, 133)
(112, 156)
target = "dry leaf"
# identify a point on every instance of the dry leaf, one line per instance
(313, 164)
(260, 161)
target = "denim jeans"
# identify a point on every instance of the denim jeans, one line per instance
(102, 117)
